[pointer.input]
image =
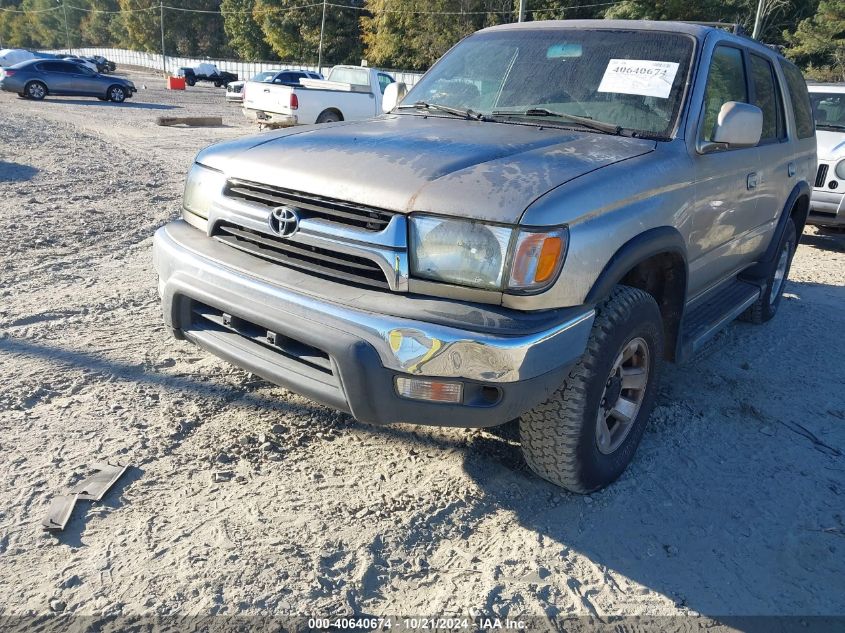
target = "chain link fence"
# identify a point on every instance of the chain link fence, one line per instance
(244, 70)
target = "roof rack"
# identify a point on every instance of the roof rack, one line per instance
(733, 27)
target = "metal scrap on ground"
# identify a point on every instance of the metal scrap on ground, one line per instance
(92, 488)
(59, 512)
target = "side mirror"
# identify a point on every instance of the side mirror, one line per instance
(738, 125)
(393, 95)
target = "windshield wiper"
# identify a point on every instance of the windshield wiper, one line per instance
(463, 113)
(832, 126)
(607, 128)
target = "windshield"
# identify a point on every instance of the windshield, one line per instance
(265, 76)
(631, 79)
(828, 109)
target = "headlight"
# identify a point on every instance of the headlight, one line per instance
(201, 187)
(839, 170)
(479, 255)
(459, 252)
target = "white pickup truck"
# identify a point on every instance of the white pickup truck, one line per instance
(350, 93)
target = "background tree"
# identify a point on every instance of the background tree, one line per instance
(819, 42)
(246, 38)
(293, 31)
(413, 34)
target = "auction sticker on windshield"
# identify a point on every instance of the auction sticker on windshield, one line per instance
(639, 77)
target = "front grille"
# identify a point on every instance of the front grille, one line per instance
(311, 259)
(821, 175)
(310, 206)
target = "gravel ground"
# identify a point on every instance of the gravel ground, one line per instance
(246, 499)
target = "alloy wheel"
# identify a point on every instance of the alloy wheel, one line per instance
(623, 395)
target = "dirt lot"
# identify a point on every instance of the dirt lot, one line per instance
(734, 505)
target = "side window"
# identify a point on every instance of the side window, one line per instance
(800, 99)
(384, 81)
(726, 82)
(766, 97)
(53, 67)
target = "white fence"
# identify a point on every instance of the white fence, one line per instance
(244, 70)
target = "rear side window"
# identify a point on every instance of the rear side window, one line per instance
(766, 97)
(800, 99)
(55, 67)
(726, 82)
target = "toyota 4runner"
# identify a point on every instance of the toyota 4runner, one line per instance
(553, 210)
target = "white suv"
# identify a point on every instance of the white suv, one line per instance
(826, 206)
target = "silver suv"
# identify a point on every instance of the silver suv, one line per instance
(553, 210)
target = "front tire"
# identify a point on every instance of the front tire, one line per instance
(767, 305)
(585, 435)
(117, 94)
(35, 90)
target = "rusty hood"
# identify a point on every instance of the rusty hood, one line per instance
(482, 170)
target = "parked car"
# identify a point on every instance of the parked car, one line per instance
(827, 207)
(107, 65)
(80, 60)
(12, 56)
(234, 89)
(206, 72)
(101, 64)
(551, 212)
(351, 93)
(37, 78)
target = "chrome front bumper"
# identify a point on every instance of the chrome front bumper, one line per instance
(827, 208)
(193, 266)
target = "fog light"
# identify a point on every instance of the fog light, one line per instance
(427, 389)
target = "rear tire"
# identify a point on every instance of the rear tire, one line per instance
(35, 90)
(329, 116)
(767, 305)
(191, 82)
(585, 435)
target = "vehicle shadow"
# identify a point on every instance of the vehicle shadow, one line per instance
(732, 506)
(733, 503)
(16, 172)
(138, 373)
(824, 239)
(109, 104)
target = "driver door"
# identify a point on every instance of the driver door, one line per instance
(726, 181)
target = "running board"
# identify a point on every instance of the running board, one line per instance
(708, 318)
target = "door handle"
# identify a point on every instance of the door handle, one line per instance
(266, 90)
(751, 180)
(790, 169)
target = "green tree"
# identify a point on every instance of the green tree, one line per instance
(245, 35)
(413, 34)
(185, 33)
(293, 31)
(819, 42)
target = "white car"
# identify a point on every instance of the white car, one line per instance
(826, 206)
(285, 77)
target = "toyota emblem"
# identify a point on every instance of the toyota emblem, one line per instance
(284, 221)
